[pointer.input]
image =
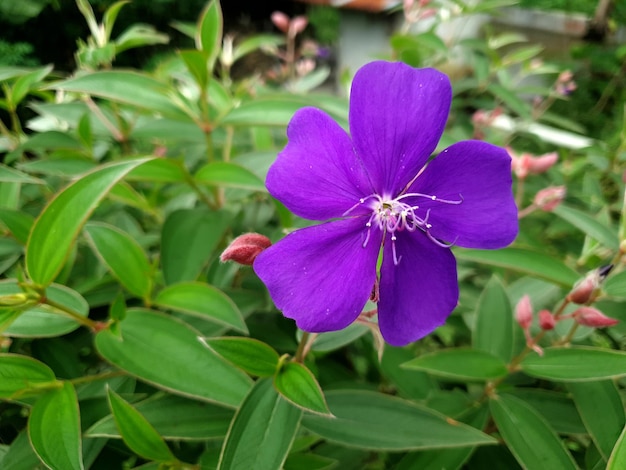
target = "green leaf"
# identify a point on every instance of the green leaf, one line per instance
(167, 353)
(460, 364)
(188, 240)
(602, 411)
(528, 436)
(494, 313)
(196, 63)
(614, 286)
(209, 31)
(11, 175)
(332, 340)
(556, 408)
(195, 420)
(617, 461)
(264, 112)
(43, 320)
(203, 301)
(137, 433)
(132, 88)
(260, 41)
(54, 429)
(56, 228)
(123, 256)
(299, 386)
(251, 355)
(525, 261)
(589, 226)
(229, 175)
(261, 432)
(21, 373)
(511, 100)
(18, 223)
(109, 17)
(576, 364)
(159, 170)
(375, 421)
(20, 455)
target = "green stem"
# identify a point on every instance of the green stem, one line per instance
(300, 352)
(85, 321)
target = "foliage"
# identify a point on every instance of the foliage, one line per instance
(126, 343)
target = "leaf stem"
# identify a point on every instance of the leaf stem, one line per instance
(83, 320)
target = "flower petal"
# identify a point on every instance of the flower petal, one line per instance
(322, 276)
(417, 294)
(317, 176)
(479, 174)
(397, 115)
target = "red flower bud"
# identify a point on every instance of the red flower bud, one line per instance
(549, 198)
(524, 312)
(542, 163)
(281, 21)
(245, 248)
(589, 316)
(586, 289)
(297, 25)
(546, 320)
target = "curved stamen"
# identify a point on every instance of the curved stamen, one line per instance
(431, 197)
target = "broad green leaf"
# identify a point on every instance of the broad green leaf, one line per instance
(525, 261)
(301, 461)
(67, 167)
(261, 432)
(11, 175)
(203, 301)
(44, 320)
(137, 433)
(410, 383)
(615, 285)
(195, 420)
(251, 355)
(123, 256)
(188, 241)
(588, 225)
(139, 35)
(259, 41)
(528, 436)
(109, 17)
(447, 459)
(464, 364)
(133, 88)
(54, 429)
(159, 170)
(332, 340)
(196, 63)
(617, 461)
(264, 112)
(493, 330)
(167, 353)
(22, 373)
(576, 364)
(510, 99)
(56, 228)
(374, 421)
(24, 84)
(19, 223)
(299, 386)
(209, 32)
(229, 175)
(558, 409)
(20, 455)
(602, 411)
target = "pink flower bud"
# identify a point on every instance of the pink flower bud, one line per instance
(546, 320)
(586, 289)
(542, 163)
(281, 21)
(524, 312)
(589, 316)
(549, 198)
(245, 248)
(297, 25)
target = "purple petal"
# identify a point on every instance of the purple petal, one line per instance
(322, 276)
(417, 294)
(317, 176)
(397, 115)
(479, 174)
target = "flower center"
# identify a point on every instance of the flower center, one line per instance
(392, 215)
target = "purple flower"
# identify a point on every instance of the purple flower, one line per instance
(382, 193)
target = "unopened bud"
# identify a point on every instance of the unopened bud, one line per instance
(549, 198)
(281, 21)
(13, 300)
(245, 248)
(589, 316)
(226, 57)
(546, 320)
(542, 163)
(524, 312)
(587, 288)
(297, 25)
